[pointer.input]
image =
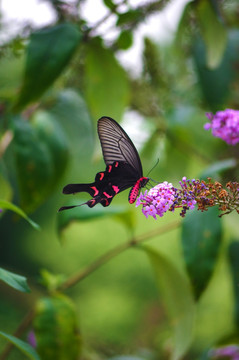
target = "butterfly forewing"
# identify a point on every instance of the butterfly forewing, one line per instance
(117, 146)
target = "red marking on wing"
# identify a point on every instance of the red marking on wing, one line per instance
(110, 168)
(101, 175)
(115, 188)
(95, 190)
(116, 164)
(107, 195)
(91, 203)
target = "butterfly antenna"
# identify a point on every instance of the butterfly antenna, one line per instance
(153, 167)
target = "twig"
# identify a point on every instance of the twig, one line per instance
(74, 279)
(105, 18)
(145, 9)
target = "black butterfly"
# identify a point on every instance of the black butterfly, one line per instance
(123, 168)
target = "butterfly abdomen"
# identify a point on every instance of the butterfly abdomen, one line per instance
(134, 192)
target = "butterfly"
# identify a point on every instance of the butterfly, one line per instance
(123, 168)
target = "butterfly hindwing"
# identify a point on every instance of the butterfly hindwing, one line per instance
(107, 184)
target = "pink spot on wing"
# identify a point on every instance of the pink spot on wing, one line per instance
(107, 195)
(91, 203)
(95, 190)
(106, 202)
(115, 188)
(101, 175)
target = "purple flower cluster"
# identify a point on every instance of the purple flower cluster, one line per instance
(185, 197)
(31, 337)
(230, 351)
(164, 197)
(157, 200)
(224, 124)
(191, 193)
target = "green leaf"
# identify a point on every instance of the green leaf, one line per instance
(41, 154)
(182, 27)
(83, 213)
(51, 281)
(56, 329)
(183, 133)
(50, 132)
(48, 53)
(16, 281)
(216, 83)
(201, 240)
(129, 17)
(109, 4)
(211, 29)
(106, 88)
(11, 70)
(22, 346)
(125, 40)
(5, 188)
(9, 206)
(177, 299)
(72, 114)
(233, 252)
(218, 167)
(33, 165)
(154, 71)
(127, 217)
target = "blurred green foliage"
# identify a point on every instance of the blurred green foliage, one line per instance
(174, 299)
(55, 328)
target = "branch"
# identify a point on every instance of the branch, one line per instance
(105, 18)
(80, 275)
(145, 10)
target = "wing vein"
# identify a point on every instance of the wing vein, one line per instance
(116, 145)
